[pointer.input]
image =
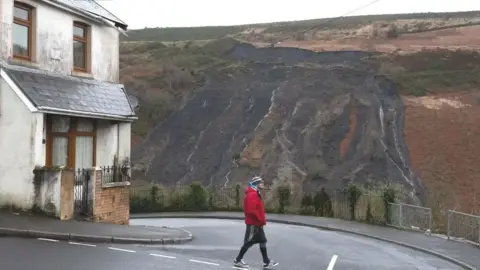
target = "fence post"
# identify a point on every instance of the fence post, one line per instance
(478, 232)
(400, 216)
(448, 224)
(430, 221)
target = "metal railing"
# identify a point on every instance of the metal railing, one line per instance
(463, 226)
(413, 217)
(115, 174)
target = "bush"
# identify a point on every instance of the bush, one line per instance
(306, 204)
(323, 204)
(283, 195)
(389, 195)
(353, 193)
(196, 198)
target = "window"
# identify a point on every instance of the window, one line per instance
(22, 31)
(80, 42)
(71, 142)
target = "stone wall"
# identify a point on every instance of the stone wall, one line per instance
(111, 202)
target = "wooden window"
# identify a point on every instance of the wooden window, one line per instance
(80, 44)
(22, 31)
(71, 142)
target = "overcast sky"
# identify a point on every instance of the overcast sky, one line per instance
(170, 13)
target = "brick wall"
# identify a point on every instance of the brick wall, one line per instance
(111, 201)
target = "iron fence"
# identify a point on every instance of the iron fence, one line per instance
(81, 191)
(463, 226)
(115, 174)
(409, 216)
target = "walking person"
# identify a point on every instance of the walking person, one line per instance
(255, 220)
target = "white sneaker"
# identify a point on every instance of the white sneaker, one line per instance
(270, 265)
(240, 264)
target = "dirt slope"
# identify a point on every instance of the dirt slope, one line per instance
(277, 116)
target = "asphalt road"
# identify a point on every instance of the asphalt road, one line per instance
(215, 245)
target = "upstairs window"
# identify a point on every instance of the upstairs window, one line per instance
(80, 42)
(22, 31)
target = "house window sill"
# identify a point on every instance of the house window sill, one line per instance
(82, 74)
(23, 62)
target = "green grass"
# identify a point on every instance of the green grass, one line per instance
(431, 71)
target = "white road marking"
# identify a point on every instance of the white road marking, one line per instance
(209, 263)
(162, 256)
(121, 249)
(81, 244)
(47, 239)
(332, 262)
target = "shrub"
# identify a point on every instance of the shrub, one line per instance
(323, 204)
(197, 198)
(353, 194)
(306, 203)
(283, 195)
(389, 195)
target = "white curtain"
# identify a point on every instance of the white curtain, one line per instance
(60, 151)
(84, 152)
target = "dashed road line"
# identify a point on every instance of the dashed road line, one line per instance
(162, 256)
(332, 262)
(151, 254)
(47, 239)
(81, 244)
(209, 263)
(121, 249)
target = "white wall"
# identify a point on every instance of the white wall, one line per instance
(18, 137)
(113, 138)
(54, 41)
(49, 194)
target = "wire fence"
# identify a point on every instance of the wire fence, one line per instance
(369, 207)
(329, 203)
(464, 226)
(407, 216)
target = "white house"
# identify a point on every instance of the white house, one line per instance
(60, 101)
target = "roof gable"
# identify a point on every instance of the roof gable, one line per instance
(93, 7)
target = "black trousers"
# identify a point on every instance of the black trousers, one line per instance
(254, 235)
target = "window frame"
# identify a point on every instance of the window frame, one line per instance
(27, 23)
(71, 135)
(85, 41)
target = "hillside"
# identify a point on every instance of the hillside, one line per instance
(219, 111)
(372, 26)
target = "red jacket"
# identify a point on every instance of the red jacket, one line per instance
(253, 208)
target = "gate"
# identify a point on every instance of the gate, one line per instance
(82, 191)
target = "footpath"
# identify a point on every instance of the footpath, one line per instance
(35, 226)
(462, 254)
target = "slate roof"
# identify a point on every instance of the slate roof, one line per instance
(71, 93)
(92, 7)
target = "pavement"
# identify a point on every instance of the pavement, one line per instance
(461, 254)
(215, 244)
(35, 226)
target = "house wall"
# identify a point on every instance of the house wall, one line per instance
(18, 136)
(53, 41)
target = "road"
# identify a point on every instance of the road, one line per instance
(215, 244)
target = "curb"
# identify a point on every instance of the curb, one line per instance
(5, 232)
(322, 227)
